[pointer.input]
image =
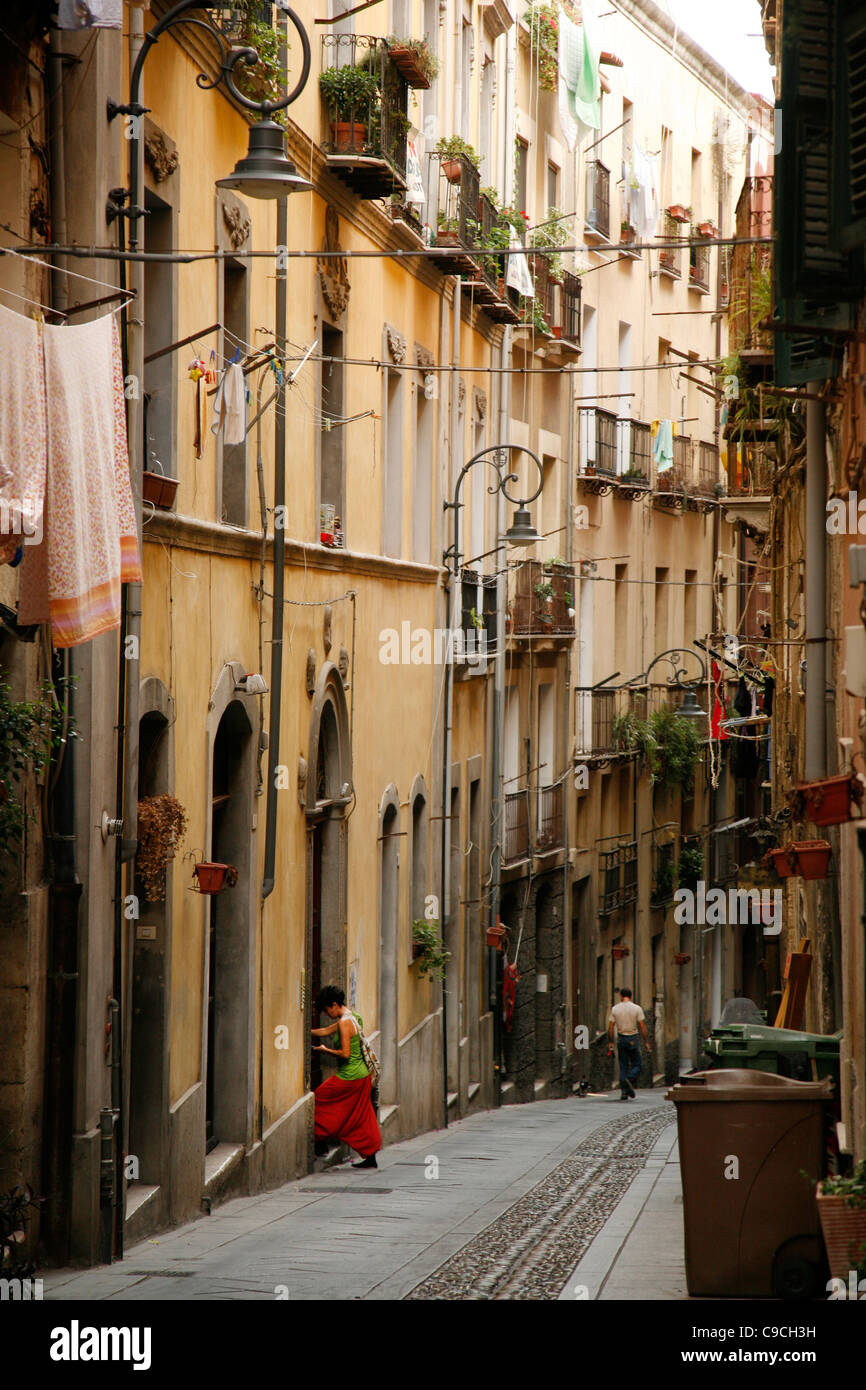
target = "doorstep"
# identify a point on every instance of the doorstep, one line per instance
(386, 1114)
(219, 1165)
(137, 1194)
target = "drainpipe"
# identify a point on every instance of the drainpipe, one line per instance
(279, 561)
(816, 587)
(497, 742)
(567, 962)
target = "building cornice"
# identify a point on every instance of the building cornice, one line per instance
(648, 16)
(211, 538)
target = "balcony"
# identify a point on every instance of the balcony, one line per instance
(515, 844)
(597, 201)
(702, 492)
(478, 617)
(598, 716)
(633, 459)
(485, 281)
(617, 874)
(674, 484)
(751, 468)
(597, 447)
(366, 102)
(669, 258)
(541, 600)
(699, 265)
(456, 214)
(751, 274)
(563, 313)
(664, 874)
(550, 823)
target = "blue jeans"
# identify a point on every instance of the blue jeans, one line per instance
(629, 1060)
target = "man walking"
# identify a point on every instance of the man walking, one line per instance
(627, 1017)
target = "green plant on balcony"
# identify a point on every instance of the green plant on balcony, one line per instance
(265, 81)
(532, 315)
(543, 26)
(497, 239)
(447, 225)
(429, 949)
(31, 731)
(350, 93)
(691, 866)
(550, 234)
(665, 883)
(544, 589)
(426, 61)
(751, 405)
(678, 749)
(455, 147)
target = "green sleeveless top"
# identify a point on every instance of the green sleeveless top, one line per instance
(353, 1068)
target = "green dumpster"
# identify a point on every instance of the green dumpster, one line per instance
(782, 1051)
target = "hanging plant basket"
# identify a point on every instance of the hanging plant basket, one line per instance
(158, 490)
(783, 860)
(813, 857)
(828, 802)
(406, 62)
(496, 937)
(213, 878)
(844, 1230)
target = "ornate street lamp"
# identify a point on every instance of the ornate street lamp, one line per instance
(677, 660)
(521, 531)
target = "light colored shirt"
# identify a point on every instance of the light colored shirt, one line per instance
(626, 1016)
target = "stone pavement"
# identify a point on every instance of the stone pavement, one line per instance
(379, 1234)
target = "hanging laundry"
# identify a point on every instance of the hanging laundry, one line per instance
(719, 711)
(517, 275)
(578, 53)
(229, 407)
(90, 545)
(90, 14)
(22, 434)
(642, 187)
(196, 373)
(414, 180)
(663, 450)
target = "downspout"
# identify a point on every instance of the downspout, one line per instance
(496, 804)
(567, 961)
(279, 559)
(816, 587)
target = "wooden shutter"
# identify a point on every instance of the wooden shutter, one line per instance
(852, 85)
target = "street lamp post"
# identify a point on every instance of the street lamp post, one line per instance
(521, 532)
(266, 172)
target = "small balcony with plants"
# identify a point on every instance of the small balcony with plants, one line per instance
(478, 617)
(633, 459)
(699, 258)
(601, 714)
(664, 872)
(541, 600)
(414, 60)
(366, 105)
(706, 475)
(627, 237)
(597, 202)
(486, 281)
(673, 484)
(617, 873)
(457, 191)
(669, 256)
(550, 836)
(515, 838)
(597, 449)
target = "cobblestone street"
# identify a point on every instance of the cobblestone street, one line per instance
(562, 1199)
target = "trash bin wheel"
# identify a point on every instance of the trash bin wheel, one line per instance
(797, 1270)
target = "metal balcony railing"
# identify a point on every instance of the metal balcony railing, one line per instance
(598, 198)
(516, 826)
(367, 128)
(664, 873)
(541, 599)
(749, 269)
(633, 451)
(669, 258)
(570, 299)
(723, 855)
(707, 468)
(751, 468)
(597, 429)
(699, 264)
(478, 619)
(683, 458)
(457, 201)
(617, 874)
(550, 834)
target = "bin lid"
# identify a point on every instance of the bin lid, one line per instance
(741, 1010)
(738, 1084)
(775, 1039)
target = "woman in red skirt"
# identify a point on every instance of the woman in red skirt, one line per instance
(344, 1108)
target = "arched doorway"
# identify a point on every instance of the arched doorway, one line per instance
(328, 797)
(389, 904)
(230, 931)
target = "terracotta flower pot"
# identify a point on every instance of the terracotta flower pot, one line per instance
(452, 169)
(680, 958)
(844, 1231)
(447, 239)
(784, 862)
(557, 330)
(620, 952)
(828, 802)
(211, 877)
(813, 857)
(678, 212)
(496, 937)
(348, 137)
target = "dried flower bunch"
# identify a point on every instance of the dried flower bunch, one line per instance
(162, 825)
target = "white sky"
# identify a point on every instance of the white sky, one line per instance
(724, 28)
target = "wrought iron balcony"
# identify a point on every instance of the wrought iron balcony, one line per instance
(366, 101)
(599, 728)
(751, 468)
(699, 265)
(597, 442)
(669, 257)
(456, 212)
(478, 599)
(617, 874)
(550, 833)
(706, 468)
(633, 458)
(598, 200)
(541, 601)
(751, 272)
(516, 826)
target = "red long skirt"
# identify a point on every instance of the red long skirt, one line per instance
(345, 1111)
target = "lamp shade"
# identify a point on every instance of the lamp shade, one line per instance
(690, 709)
(521, 531)
(266, 172)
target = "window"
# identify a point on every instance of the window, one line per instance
(485, 116)
(690, 606)
(422, 499)
(667, 167)
(521, 174)
(236, 318)
(552, 185)
(159, 376)
(392, 522)
(661, 610)
(466, 56)
(332, 465)
(627, 135)
(620, 616)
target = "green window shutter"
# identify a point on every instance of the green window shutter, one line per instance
(808, 167)
(852, 85)
(809, 356)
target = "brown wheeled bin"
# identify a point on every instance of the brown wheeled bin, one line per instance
(752, 1147)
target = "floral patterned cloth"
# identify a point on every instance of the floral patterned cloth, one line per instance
(90, 546)
(22, 433)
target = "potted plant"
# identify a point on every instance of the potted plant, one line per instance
(451, 150)
(429, 949)
(842, 1212)
(158, 489)
(212, 878)
(627, 233)
(813, 857)
(681, 958)
(707, 229)
(783, 860)
(352, 95)
(620, 952)
(413, 60)
(828, 801)
(162, 824)
(447, 229)
(665, 881)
